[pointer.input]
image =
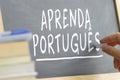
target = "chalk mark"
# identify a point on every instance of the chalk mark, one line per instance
(68, 58)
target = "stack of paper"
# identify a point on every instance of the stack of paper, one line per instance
(15, 61)
(23, 71)
(14, 53)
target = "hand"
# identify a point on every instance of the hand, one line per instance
(112, 41)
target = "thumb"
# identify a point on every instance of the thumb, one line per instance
(111, 51)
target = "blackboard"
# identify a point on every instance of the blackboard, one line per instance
(63, 32)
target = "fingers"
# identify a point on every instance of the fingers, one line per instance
(117, 64)
(111, 51)
(112, 39)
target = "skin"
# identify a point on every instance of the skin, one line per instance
(109, 48)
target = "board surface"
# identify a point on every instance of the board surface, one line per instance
(97, 15)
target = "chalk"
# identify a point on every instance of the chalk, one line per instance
(20, 37)
(19, 31)
(14, 32)
(99, 45)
